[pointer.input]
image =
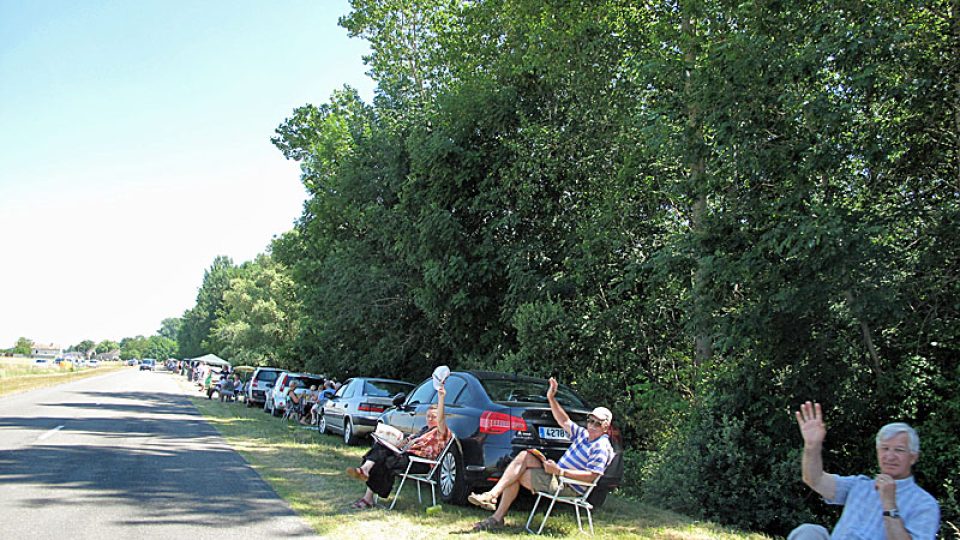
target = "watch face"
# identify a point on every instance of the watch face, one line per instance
(891, 513)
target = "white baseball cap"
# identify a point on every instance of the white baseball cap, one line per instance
(602, 414)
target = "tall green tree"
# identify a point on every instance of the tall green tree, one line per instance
(106, 346)
(194, 338)
(23, 346)
(260, 315)
(170, 328)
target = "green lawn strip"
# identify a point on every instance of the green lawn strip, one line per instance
(13, 382)
(307, 470)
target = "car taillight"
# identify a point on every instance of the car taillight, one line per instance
(372, 407)
(496, 422)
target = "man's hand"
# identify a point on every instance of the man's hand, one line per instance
(812, 428)
(551, 467)
(886, 487)
(552, 389)
(442, 391)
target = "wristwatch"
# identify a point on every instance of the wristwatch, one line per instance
(561, 473)
(895, 514)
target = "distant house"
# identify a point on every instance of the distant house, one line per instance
(112, 356)
(42, 350)
(74, 356)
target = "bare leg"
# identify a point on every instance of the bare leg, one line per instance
(367, 465)
(368, 496)
(509, 494)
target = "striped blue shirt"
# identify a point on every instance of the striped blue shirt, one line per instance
(863, 514)
(584, 455)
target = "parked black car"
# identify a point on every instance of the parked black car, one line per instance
(353, 411)
(495, 416)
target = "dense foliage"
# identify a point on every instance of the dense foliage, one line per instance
(698, 213)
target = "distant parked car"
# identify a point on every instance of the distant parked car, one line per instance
(353, 411)
(132, 362)
(41, 362)
(495, 416)
(148, 364)
(276, 401)
(93, 362)
(260, 384)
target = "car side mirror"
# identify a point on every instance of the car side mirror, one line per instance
(398, 399)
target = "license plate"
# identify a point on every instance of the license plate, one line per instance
(553, 433)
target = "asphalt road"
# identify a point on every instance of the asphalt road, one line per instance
(126, 455)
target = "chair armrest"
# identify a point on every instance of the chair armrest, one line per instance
(567, 480)
(417, 459)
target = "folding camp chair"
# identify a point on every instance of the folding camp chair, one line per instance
(578, 502)
(430, 477)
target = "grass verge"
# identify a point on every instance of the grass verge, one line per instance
(21, 380)
(307, 470)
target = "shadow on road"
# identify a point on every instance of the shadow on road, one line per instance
(153, 453)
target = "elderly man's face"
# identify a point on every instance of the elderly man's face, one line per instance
(596, 427)
(894, 456)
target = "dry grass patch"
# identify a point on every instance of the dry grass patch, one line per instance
(20, 378)
(306, 470)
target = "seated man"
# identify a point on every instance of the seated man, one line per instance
(588, 456)
(227, 389)
(891, 505)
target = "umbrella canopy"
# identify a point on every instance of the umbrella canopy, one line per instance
(212, 360)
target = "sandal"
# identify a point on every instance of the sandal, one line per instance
(489, 524)
(357, 473)
(484, 500)
(362, 504)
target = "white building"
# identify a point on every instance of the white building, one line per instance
(42, 350)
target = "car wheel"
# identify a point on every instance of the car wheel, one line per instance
(275, 411)
(349, 438)
(452, 481)
(322, 425)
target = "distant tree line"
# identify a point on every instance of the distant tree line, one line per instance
(699, 214)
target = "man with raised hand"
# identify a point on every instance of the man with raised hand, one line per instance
(889, 506)
(586, 458)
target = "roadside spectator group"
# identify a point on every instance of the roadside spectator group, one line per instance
(888, 505)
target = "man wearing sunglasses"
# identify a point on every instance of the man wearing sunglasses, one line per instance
(586, 458)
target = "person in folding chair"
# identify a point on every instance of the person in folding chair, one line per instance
(381, 464)
(586, 458)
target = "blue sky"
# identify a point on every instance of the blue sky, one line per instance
(135, 148)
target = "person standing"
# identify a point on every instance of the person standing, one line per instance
(888, 506)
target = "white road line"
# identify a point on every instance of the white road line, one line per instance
(50, 433)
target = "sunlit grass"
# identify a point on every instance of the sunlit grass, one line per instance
(307, 470)
(21, 376)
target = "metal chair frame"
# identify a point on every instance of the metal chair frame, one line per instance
(430, 477)
(578, 502)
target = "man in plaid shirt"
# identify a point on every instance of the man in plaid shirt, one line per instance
(889, 506)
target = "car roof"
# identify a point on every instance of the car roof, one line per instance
(378, 379)
(499, 375)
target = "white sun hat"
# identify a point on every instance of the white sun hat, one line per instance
(440, 376)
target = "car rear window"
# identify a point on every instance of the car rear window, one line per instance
(307, 382)
(267, 375)
(384, 388)
(528, 391)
